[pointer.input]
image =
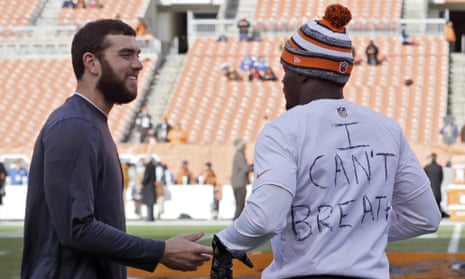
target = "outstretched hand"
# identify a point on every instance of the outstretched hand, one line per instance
(183, 253)
(222, 260)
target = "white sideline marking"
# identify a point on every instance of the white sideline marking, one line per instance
(455, 239)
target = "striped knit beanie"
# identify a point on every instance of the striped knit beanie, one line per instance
(322, 48)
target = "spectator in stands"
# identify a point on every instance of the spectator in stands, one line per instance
(247, 63)
(261, 64)
(254, 74)
(184, 176)
(231, 74)
(148, 193)
(162, 129)
(405, 38)
(243, 25)
(69, 4)
(207, 176)
(141, 27)
(74, 224)
(3, 176)
(143, 123)
(177, 135)
(183, 44)
(240, 176)
(256, 35)
(95, 4)
(81, 4)
(371, 52)
(222, 38)
(449, 34)
(269, 75)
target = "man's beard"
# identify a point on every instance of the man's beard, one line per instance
(114, 90)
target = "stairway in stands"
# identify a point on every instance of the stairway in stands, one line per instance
(457, 87)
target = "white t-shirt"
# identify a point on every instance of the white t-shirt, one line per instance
(325, 174)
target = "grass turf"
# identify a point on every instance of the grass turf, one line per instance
(11, 242)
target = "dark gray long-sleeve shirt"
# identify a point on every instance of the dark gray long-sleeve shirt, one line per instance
(75, 223)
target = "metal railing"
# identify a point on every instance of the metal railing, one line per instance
(273, 27)
(34, 40)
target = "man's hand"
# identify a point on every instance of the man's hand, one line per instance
(183, 253)
(222, 260)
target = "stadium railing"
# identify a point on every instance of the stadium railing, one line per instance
(274, 27)
(51, 40)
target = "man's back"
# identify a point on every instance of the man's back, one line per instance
(348, 162)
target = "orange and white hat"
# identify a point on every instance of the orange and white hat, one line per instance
(322, 48)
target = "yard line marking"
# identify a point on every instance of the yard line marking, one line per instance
(455, 239)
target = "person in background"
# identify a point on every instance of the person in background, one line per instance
(184, 176)
(74, 224)
(148, 193)
(3, 175)
(18, 173)
(371, 52)
(448, 179)
(135, 188)
(141, 27)
(435, 174)
(177, 135)
(449, 34)
(168, 175)
(333, 181)
(241, 170)
(69, 4)
(208, 177)
(405, 38)
(143, 123)
(243, 25)
(160, 184)
(162, 129)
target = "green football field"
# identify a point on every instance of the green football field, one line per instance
(449, 240)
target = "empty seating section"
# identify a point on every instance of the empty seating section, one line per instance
(365, 13)
(128, 11)
(33, 87)
(17, 12)
(215, 110)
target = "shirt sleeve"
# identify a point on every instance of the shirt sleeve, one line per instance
(71, 171)
(263, 217)
(414, 209)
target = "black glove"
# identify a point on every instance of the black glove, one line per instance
(222, 260)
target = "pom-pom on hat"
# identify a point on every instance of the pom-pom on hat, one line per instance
(322, 48)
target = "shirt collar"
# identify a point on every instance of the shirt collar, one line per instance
(88, 100)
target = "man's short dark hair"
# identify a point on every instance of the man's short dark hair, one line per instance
(91, 38)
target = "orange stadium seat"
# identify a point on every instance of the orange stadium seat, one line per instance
(379, 13)
(216, 110)
(33, 87)
(17, 12)
(128, 11)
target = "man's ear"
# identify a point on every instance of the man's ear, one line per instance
(91, 63)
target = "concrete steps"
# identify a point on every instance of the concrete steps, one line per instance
(457, 87)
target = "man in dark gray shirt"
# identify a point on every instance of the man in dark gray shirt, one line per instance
(75, 224)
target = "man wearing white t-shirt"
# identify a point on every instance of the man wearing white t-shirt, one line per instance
(333, 181)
